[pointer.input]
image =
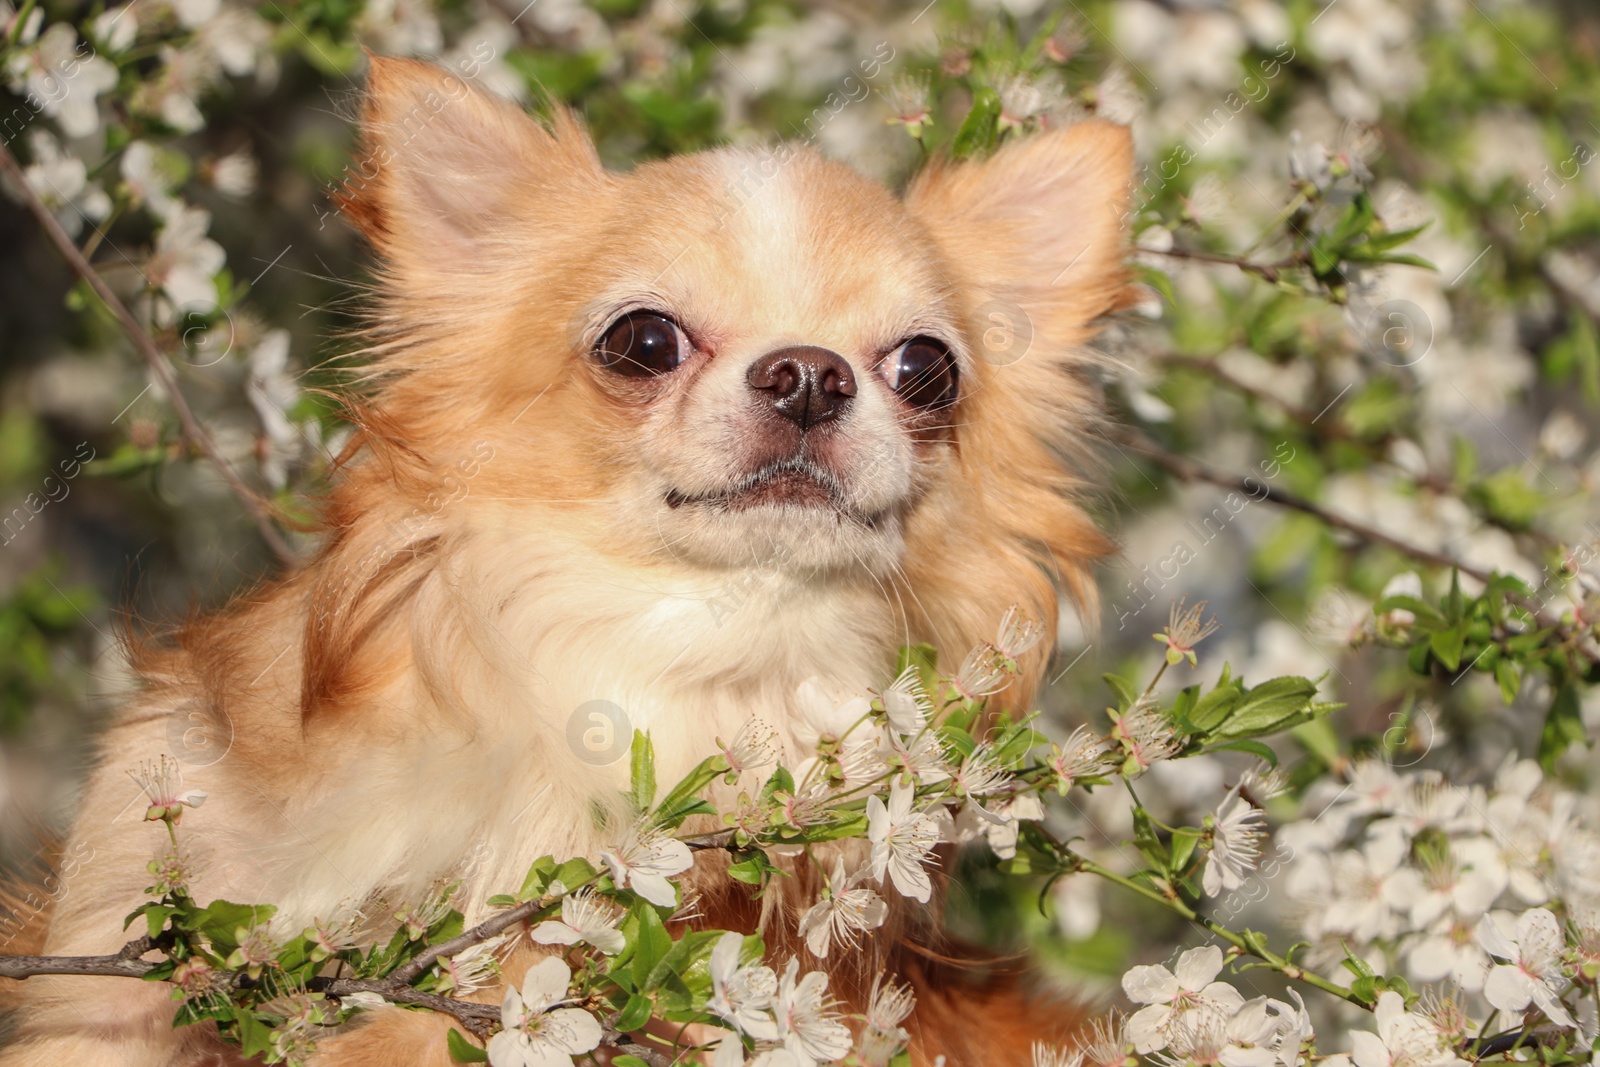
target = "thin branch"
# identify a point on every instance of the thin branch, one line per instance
(1192, 471)
(116, 965)
(476, 1017)
(125, 963)
(158, 363)
(1269, 271)
(477, 935)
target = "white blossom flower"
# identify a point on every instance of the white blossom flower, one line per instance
(1017, 634)
(539, 1033)
(902, 842)
(1084, 754)
(194, 13)
(1185, 630)
(162, 783)
(1146, 735)
(1404, 1039)
(730, 1053)
(235, 174)
(585, 918)
(145, 180)
(807, 1024)
(185, 261)
(116, 28)
(61, 181)
(472, 969)
(821, 717)
(1047, 1056)
(922, 756)
(1466, 881)
(1449, 949)
(843, 913)
(1023, 98)
(742, 996)
(1428, 802)
(174, 93)
(1534, 973)
(982, 674)
(1358, 891)
(908, 103)
(1296, 1030)
(906, 703)
(645, 861)
(272, 392)
(1244, 1039)
(884, 1038)
(755, 745)
(998, 824)
(981, 775)
(1173, 996)
(1236, 837)
(236, 39)
(61, 81)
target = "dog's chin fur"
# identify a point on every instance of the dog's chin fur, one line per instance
(514, 535)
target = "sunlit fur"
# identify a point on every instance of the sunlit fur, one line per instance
(499, 549)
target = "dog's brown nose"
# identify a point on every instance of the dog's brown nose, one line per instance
(805, 384)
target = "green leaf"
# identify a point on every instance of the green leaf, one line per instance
(643, 777)
(1446, 645)
(1216, 706)
(538, 879)
(1428, 616)
(220, 920)
(628, 1061)
(462, 1050)
(979, 130)
(574, 872)
(1123, 689)
(1507, 497)
(635, 1014)
(653, 942)
(925, 658)
(1563, 726)
(1319, 739)
(684, 800)
(689, 961)
(1271, 706)
(1255, 748)
(1508, 675)
(1183, 842)
(754, 869)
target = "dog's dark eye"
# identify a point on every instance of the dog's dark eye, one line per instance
(923, 372)
(642, 344)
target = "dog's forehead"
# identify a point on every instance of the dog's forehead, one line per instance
(776, 242)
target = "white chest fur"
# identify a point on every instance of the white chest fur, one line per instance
(490, 754)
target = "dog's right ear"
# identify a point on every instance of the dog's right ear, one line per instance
(446, 169)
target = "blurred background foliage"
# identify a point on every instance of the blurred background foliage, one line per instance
(1369, 229)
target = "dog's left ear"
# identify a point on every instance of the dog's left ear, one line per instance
(1032, 241)
(1039, 224)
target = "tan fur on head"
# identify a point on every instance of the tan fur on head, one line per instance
(520, 530)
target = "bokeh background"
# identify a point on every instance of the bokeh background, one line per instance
(1369, 231)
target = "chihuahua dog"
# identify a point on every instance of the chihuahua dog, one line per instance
(598, 403)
